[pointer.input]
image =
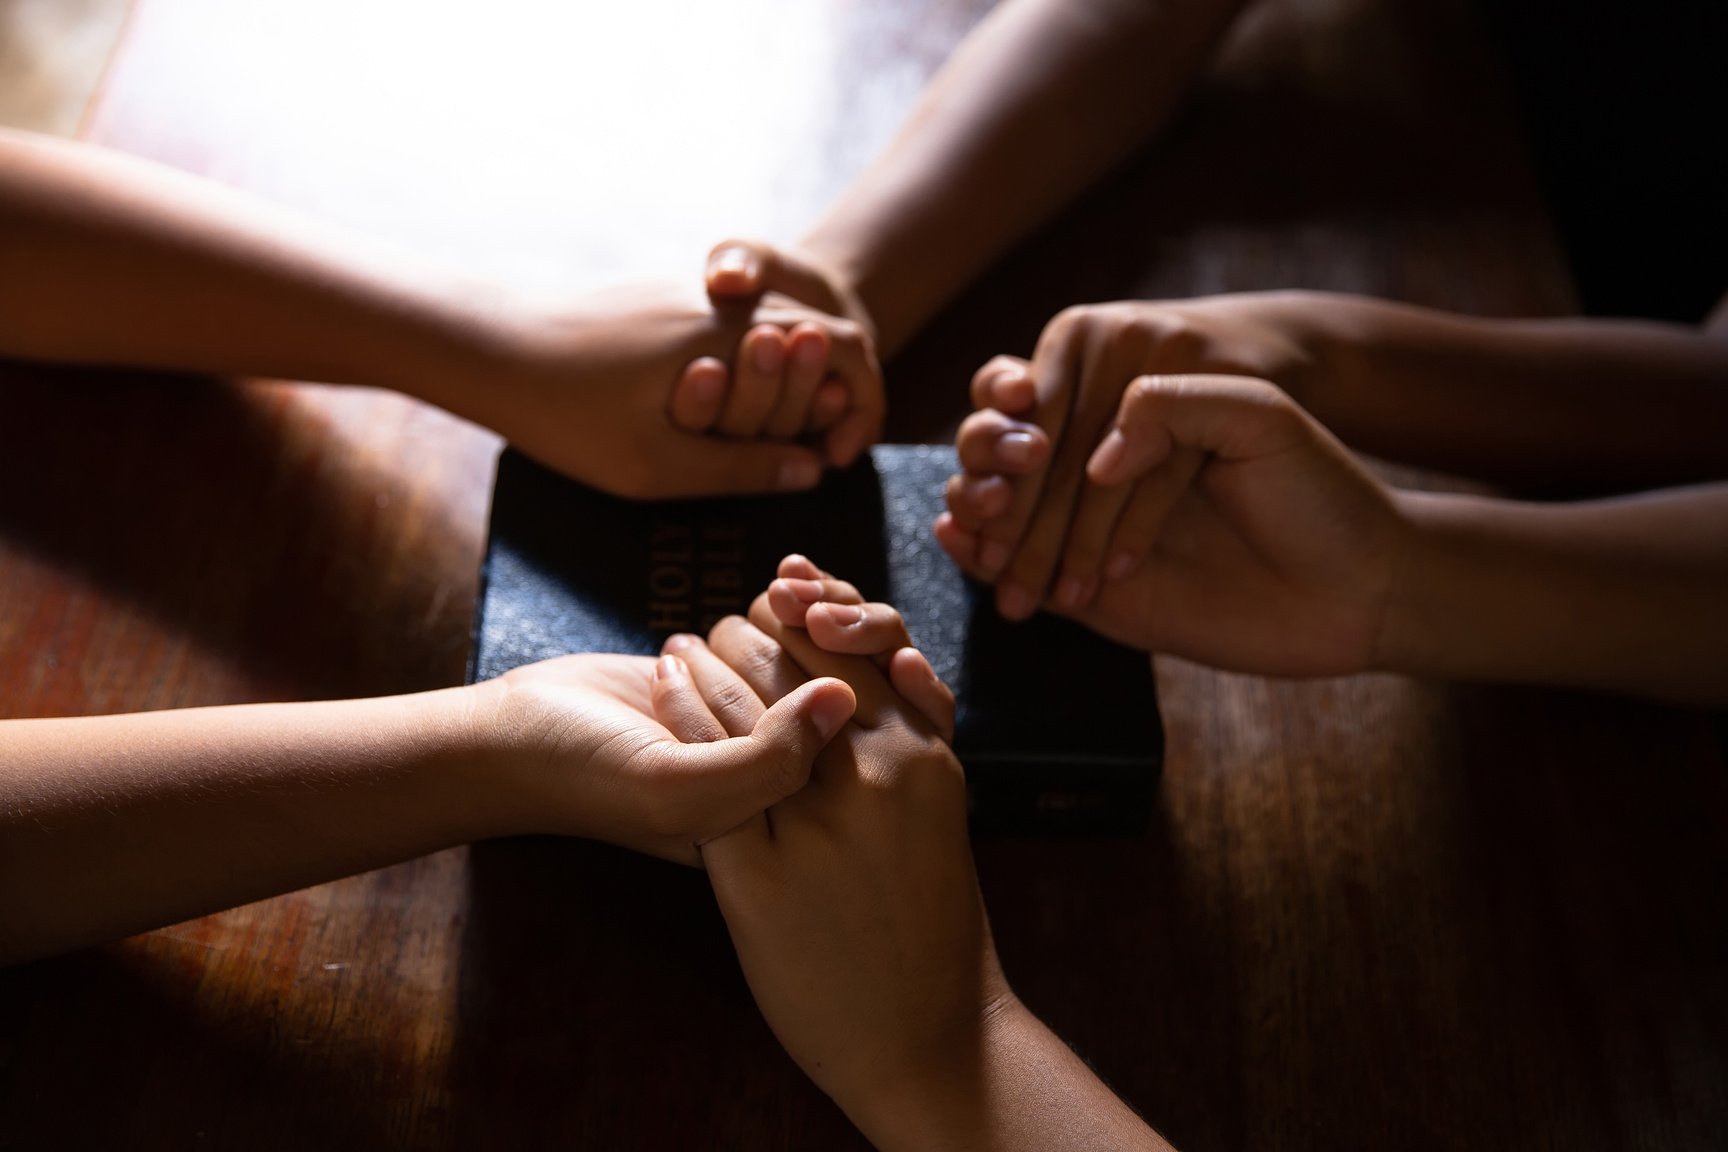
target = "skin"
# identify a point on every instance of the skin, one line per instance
(111, 825)
(854, 904)
(1525, 403)
(110, 260)
(1531, 404)
(1272, 550)
(949, 195)
(797, 389)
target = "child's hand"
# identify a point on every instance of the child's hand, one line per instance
(1261, 545)
(839, 620)
(575, 745)
(1042, 530)
(584, 390)
(853, 904)
(785, 382)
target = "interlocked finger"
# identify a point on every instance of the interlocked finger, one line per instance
(1089, 534)
(876, 698)
(679, 704)
(806, 365)
(756, 382)
(972, 499)
(1142, 521)
(699, 395)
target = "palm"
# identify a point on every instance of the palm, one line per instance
(590, 735)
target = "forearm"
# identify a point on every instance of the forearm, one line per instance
(1625, 594)
(106, 259)
(1602, 404)
(114, 824)
(1038, 102)
(1026, 1091)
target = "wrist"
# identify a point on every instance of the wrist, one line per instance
(469, 754)
(460, 340)
(1333, 335)
(942, 1099)
(1417, 615)
(844, 266)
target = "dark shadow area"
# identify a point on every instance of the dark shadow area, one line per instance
(1595, 957)
(219, 510)
(1624, 111)
(1103, 938)
(1263, 181)
(154, 1072)
(601, 1006)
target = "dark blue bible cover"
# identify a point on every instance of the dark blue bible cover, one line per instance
(1058, 728)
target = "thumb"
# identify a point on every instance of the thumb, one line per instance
(741, 272)
(710, 466)
(753, 773)
(734, 273)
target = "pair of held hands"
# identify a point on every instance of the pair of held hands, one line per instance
(1148, 472)
(801, 756)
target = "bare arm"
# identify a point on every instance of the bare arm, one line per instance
(1042, 99)
(854, 904)
(1628, 594)
(113, 824)
(110, 260)
(1024, 1090)
(1602, 404)
(1261, 544)
(106, 259)
(1558, 406)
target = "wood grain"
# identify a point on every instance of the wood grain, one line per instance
(1371, 913)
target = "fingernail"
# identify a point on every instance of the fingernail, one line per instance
(767, 354)
(1070, 591)
(845, 615)
(678, 642)
(1014, 602)
(829, 713)
(799, 474)
(668, 668)
(993, 555)
(732, 260)
(809, 591)
(1015, 448)
(1120, 565)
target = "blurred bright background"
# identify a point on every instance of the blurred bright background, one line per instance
(559, 145)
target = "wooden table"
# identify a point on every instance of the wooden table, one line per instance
(1370, 914)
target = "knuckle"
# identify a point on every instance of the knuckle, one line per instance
(726, 634)
(1181, 343)
(732, 698)
(1144, 391)
(1075, 315)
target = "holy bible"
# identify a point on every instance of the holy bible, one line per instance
(1057, 728)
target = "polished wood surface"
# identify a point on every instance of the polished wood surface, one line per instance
(1370, 913)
